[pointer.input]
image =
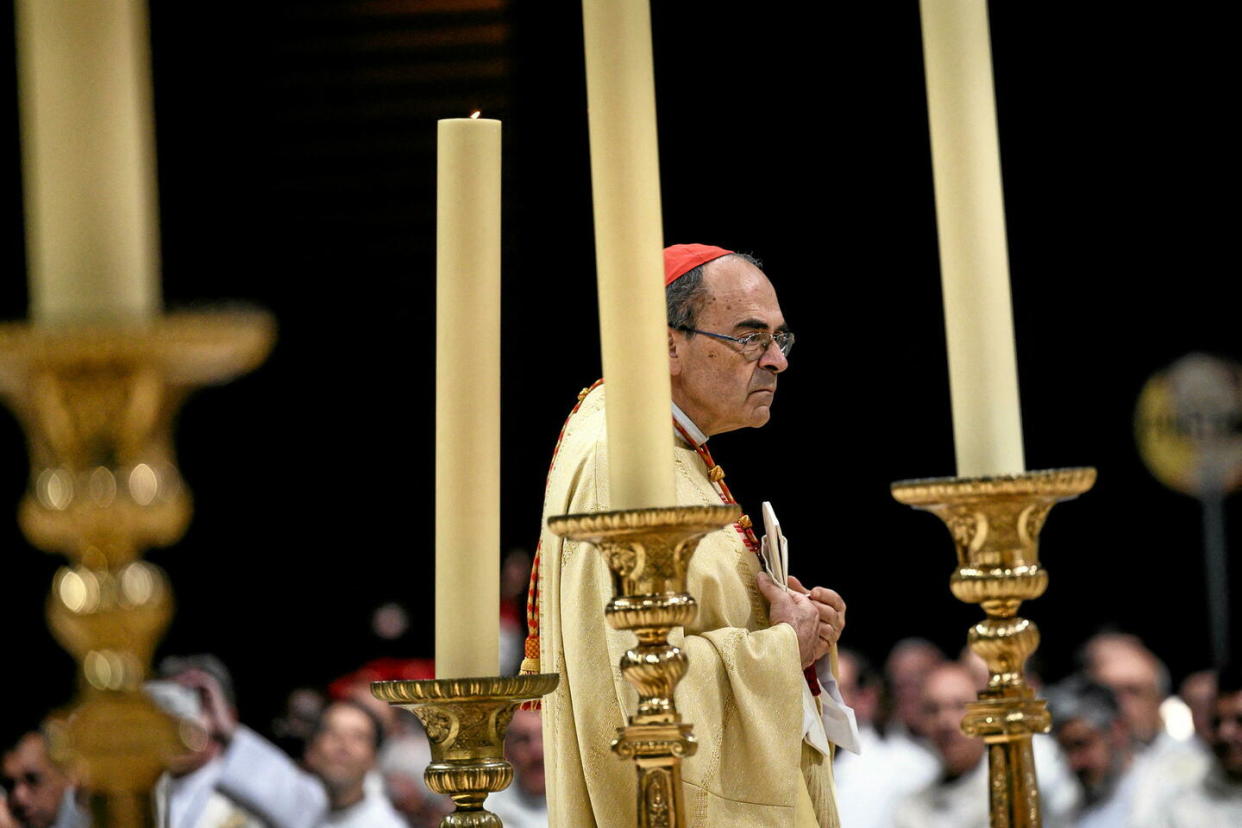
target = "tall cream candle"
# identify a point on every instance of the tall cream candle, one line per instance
(970, 215)
(468, 398)
(625, 180)
(88, 153)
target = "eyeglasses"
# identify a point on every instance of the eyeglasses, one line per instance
(754, 345)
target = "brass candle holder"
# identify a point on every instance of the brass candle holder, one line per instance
(648, 552)
(466, 720)
(995, 523)
(97, 406)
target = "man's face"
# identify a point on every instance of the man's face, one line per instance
(1134, 680)
(1227, 734)
(524, 748)
(343, 750)
(847, 681)
(947, 692)
(34, 785)
(1198, 690)
(865, 701)
(713, 382)
(907, 671)
(1090, 754)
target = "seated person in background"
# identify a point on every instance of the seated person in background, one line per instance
(909, 664)
(37, 792)
(862, 689)
(1088, 725)
(402, 762)
(233, 775)
(1140, 683)
(1198, 691)
(872, 782)
(406, 752)
(342, 751)
(958, 798)
(291, 730)
(523, 804)
(1215, 800)
(1059, 791)
(187, 794)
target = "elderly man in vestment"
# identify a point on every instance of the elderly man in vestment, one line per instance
(751, 691)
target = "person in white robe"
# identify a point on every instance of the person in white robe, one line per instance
(35, 791)
(1088, 725)
(871, 783)
(958, 796)
(1215, 800)
(343, 753)
(524, 803)
(234, 777)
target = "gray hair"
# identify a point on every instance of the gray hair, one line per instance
(173, 666)
(1077, 697)
(684, 298)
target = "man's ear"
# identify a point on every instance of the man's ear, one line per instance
(674, 355)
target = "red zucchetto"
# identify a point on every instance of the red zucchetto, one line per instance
(680, 259)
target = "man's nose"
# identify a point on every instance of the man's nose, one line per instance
(773, 358)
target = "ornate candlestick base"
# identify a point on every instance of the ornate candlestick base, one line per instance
(648, 552)
(466, 719)
(995, 523)
(97, 406)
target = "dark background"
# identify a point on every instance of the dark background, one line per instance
(296, 163)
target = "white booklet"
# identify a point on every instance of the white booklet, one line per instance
(774, 548)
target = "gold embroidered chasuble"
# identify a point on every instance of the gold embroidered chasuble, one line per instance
(742, 693)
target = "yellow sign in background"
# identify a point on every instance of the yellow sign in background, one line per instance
(1189, 425)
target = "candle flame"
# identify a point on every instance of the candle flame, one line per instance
(476, 113)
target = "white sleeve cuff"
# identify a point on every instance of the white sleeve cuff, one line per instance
(839, 721)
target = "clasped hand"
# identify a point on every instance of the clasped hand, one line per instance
(817, 615)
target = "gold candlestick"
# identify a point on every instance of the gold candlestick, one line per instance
(465, 720)
(97, 406)
(995, 523)
(648, 552)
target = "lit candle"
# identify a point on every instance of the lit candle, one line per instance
(970, 216)
(88, 155)
(468, 398)
(625, 181)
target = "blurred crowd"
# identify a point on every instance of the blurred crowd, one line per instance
(1125, 749)
(333, 758)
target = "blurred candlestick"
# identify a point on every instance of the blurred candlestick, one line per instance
(625, 181)
(88, 150)
(970, 216)
(468, 398)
